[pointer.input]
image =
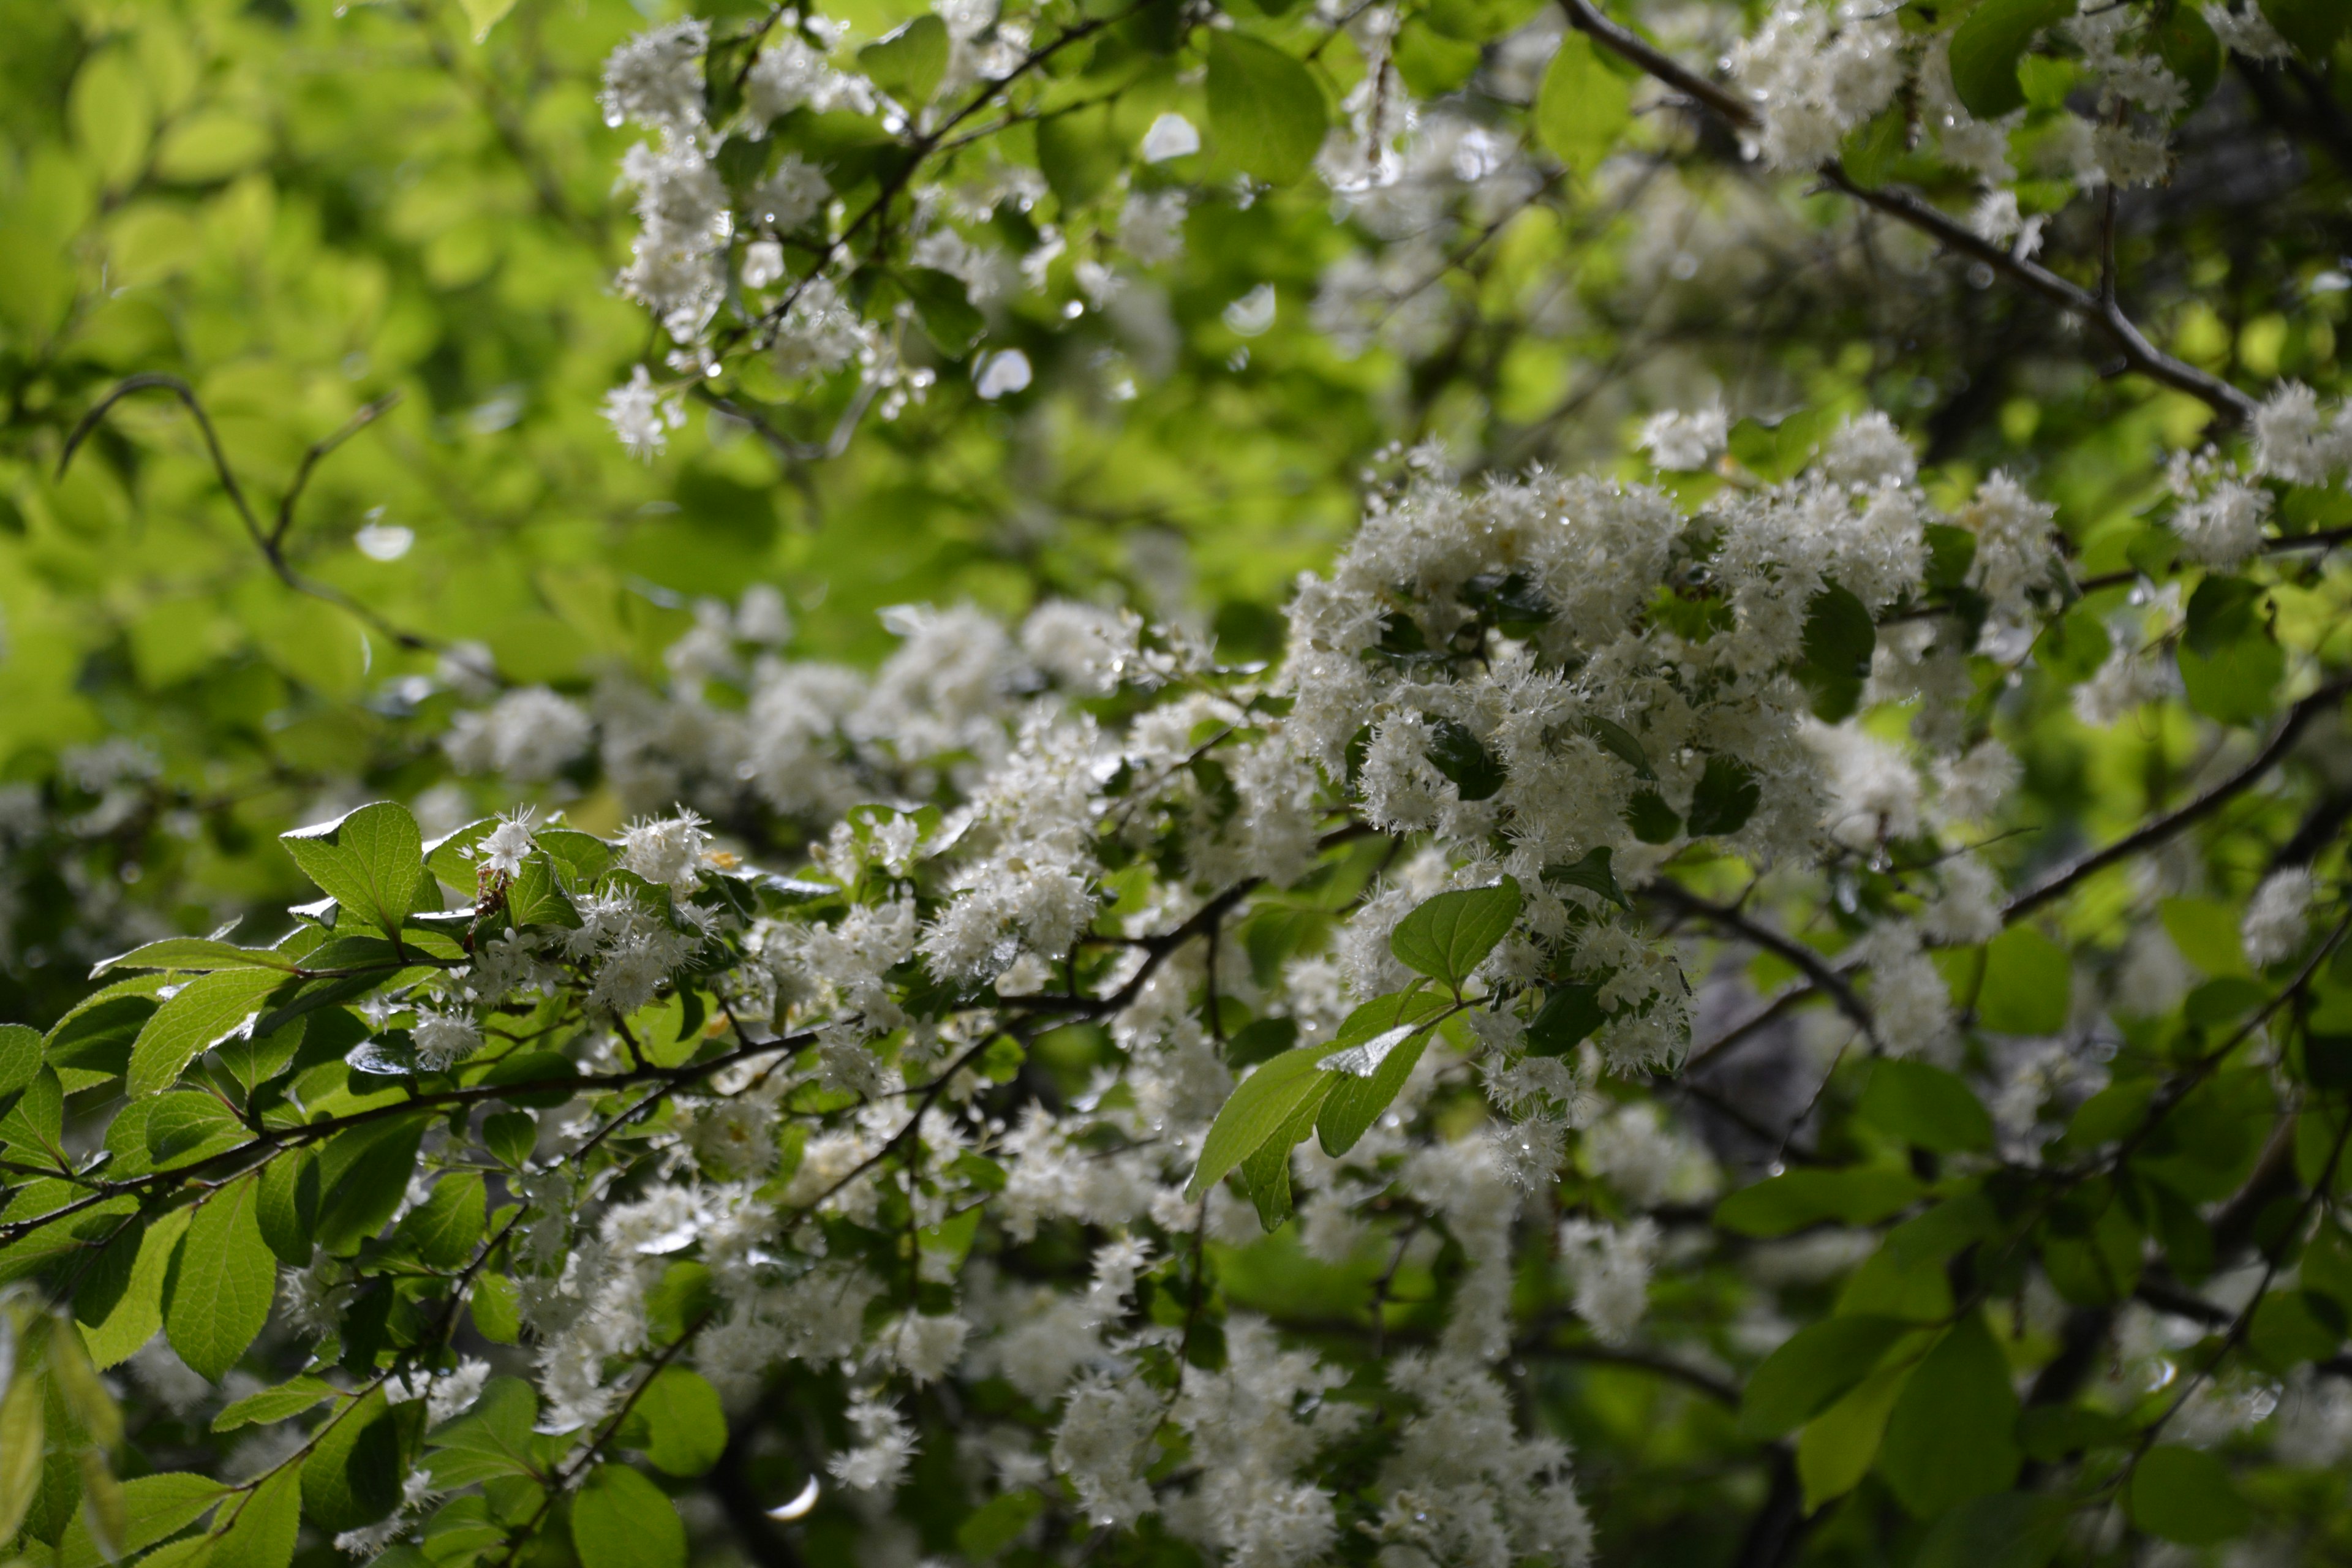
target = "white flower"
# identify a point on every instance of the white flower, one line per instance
(502, 850)
(1170, 136)
(1610, 1268)
(2278, 917)
(1684, 441)
(667, 851)
(656, 77)
(443, 1038)
(641, 417)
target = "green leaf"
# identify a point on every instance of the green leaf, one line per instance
(189, 1125)
(909, 62)
(1079, 153)
(195, 954)
(481, 15)
(1619, 741)
(1871, 149)
(135, 1315)
(534, 900)
(362, 1176)
(944, 302)
(2312, 26)
(2185, 40)
(1796, 1199)
(1457, 755)
(34, 1127)
(1594, 874)
(1266, 1172)
(1583, 107)
(288, 1205)
(20, 1057)
(2293, 1326)
(2029, 983)
(1837, 1448)
(2187, 1495)
(354, 1474)
(1812, 1369)
(1265, 109)
(217, 1294)
(450, 858)
(1834, 653)
(2073, 645)
(997, 1523)
(2206, 932)
(371, 863)
(687, 1429)
(23, 1419)
(1571, 1011)
(1261, 1041)
(2238, 683)
(579, 858)
(262, 1532)
(1987, 46)
(153, 1508)
(620, 1520)
(492, 1439)
(1952, 1435)
(1255, 1112)
(1356, 1099)
(448, 1226)
(1651, 818)
(1726, 796)
(497, 1309)
(273, 1405)
(1450, 935)
(1925, 1106)
(2008, 1529)
(198, 1015)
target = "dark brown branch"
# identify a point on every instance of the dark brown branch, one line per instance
(1814, 966)
(2067, 877)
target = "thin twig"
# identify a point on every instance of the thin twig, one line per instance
(2232, 406)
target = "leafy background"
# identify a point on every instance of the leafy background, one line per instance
(302, 208)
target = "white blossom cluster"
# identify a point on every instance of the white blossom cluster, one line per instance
(1560, 680)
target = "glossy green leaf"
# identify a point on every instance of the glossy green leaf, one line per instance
(1593, 873)
(221, 1278)
(492, 1439)
(909, 62)
(1582, 107)
(1813, 1368)
(153, 1508)
(20, 1057)
(686, 1430)
(135, 1313)
(1726, 796)
(447, 1228)
(371, 862)
(1952, 1434)
(2187, 1495)
(1790, 1201)
(273, 1405)
(1987, 46)
(1256, 1110)
(1450, 935)
(356, 1468)
(1834, 653)
(205, 1010)
(1265, 109)
(620, 1520)
(2029, 983)
(1926, 1106)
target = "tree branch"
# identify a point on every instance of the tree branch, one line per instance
(2232, 406)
